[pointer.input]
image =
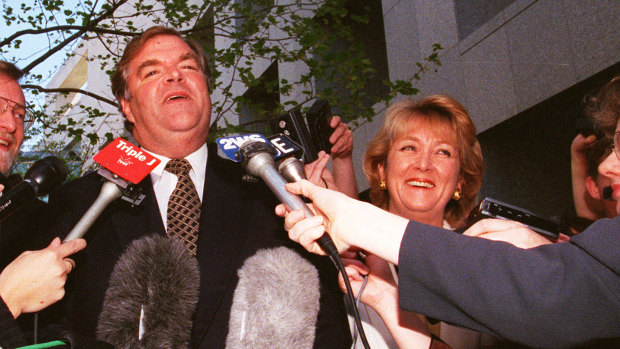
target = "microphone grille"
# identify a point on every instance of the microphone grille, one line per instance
(159, 275)
(276, 302)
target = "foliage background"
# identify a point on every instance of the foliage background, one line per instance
(241, 39)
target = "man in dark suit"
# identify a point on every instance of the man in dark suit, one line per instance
(162, 85)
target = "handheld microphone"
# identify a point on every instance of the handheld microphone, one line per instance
(10, 181)
(123, 165)
(256, 155)
(258, 160)
(292, 169)
(276, 302)
(42, 177)
(151, 297)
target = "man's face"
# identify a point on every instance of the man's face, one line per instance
(610, 167)
(11, 127)
(169, 100)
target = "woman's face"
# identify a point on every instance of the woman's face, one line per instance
(422, 171)
(610, 168)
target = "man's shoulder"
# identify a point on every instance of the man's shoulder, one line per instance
(223, 165)
(76, 191)
(232, 174)
(89, 179)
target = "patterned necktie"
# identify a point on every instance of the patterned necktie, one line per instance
(183, 206)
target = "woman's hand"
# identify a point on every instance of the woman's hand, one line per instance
(506, 230)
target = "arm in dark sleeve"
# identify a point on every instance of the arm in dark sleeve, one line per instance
(10, 334)
(555, 295)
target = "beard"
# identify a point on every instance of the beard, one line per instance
(7, 158)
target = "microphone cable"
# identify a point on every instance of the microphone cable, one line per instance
(356, 314)
(357, 305)
(257, 157)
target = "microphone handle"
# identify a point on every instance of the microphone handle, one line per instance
(276, 183)
(109, 192)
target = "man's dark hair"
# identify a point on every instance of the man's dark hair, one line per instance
(604, 107)
(11, 70)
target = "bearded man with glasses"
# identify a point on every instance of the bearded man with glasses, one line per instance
(14, 117)
(35, 279)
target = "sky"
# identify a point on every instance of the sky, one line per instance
(32, 47)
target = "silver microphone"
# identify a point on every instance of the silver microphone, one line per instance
(292, 169)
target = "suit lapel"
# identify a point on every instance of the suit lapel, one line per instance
(220, 239)
(133, 222)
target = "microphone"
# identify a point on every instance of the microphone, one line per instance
(151, 297)
(276, 302)
(257, 158)
(608, 193)
(123, 165)
(42, 177)
(256, 154)
(292, 169)
(10, 181)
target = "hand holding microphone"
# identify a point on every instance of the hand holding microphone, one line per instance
(307, 229)
(36, 279)
(258, 159)
(349, 223)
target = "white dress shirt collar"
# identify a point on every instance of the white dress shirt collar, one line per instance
(164, 182)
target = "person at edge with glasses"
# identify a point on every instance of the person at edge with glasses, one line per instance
(547, 295)
(31, 280)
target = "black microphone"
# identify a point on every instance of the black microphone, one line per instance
(42, 177)
(151, 297)
(608, 193)
(10, 181)
(276, 302)
(257, 157)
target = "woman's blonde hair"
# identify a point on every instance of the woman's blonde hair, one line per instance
(438, 110)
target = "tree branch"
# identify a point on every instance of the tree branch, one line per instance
(89, 26)
(65, 27)
(70, 89)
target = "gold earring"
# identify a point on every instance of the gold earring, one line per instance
(457, 195)
(382, 185)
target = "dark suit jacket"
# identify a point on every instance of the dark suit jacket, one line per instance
(558, 295)
(11, 335)
(18, 232)
(237, 219)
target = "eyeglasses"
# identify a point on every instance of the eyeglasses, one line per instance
(20, 112)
